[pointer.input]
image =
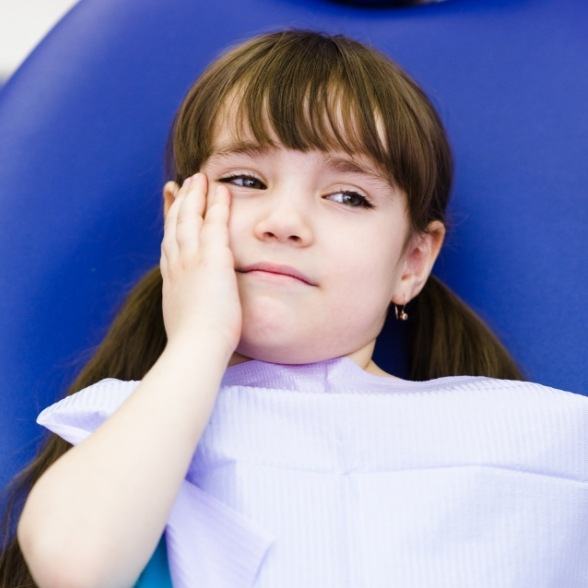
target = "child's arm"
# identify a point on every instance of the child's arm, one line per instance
(95, 516)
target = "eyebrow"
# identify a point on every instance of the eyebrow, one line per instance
(340, 164)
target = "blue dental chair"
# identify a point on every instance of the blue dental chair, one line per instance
(83, 124)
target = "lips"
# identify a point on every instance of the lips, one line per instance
(275, 268)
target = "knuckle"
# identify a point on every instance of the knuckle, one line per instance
(166, 248)
(185, 263)
(184, 239)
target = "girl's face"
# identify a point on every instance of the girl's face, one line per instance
(342, 228)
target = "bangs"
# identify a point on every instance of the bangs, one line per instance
(305, 99)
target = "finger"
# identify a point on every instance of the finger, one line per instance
(163, 265)
(169, 244)
(214, 233)
(190, 218)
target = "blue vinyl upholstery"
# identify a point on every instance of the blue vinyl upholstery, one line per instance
(85, 118)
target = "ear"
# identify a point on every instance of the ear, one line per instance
(420, 258)
(170, 190)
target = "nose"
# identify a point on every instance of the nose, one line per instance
(284, 221)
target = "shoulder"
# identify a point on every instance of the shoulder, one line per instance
(524, 387)
(534, 396)
(539, 407)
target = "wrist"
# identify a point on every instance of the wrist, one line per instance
(205, 345)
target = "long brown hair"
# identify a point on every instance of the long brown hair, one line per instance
(279, 74)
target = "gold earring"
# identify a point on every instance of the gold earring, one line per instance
(403, 316)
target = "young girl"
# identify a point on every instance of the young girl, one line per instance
(233, 429)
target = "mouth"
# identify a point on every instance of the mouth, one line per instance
(274, 270)
(274, 276)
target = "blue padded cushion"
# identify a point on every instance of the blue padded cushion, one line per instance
(156, 573)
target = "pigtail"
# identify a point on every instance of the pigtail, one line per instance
(448, 338)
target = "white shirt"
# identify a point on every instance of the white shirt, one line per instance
(323, 475)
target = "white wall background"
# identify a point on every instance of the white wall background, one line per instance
(23, 23)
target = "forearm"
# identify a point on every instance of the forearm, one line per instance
(103, 505)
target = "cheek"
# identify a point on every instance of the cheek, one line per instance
(365, 276)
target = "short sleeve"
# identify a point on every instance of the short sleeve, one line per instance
(76, 416)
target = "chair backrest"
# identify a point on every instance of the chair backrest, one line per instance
(84, 122)
(156, 573)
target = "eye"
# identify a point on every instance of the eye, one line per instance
(363, 201)
(241, 176)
